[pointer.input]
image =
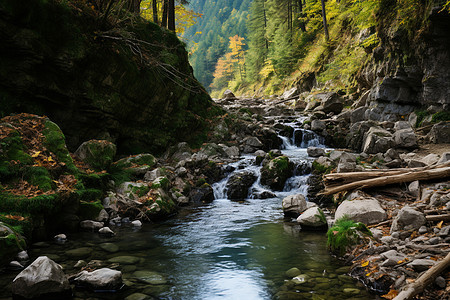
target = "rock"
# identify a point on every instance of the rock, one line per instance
(238, 185)
(294, 205)
(351, 291)
(440, 133)
(253, 142)
(264, 195)
(300, 279)
(423, 229)
(15, 265)
(22, 256)
(440, 282)
(80, 264)
(358, 114)
(408, 219)
(414, 188)
(405, 138)
(42, 277)
(445, 158)
(346, 167)
(125, 260)
(412, 163)
(203, 194)
(106, 231)
(376, 233)
(109, 247)
(399, 125)
(103, 216)
(366, 211)
(315, 151)
(420, 265)
(232, 152)
(292, 272)
(91, 225)
(138, 296)
(318, 126)
(101, 279)
(393, 255)
(377, 140)
(228, 95)
(99, 154)
(77, 253)
(312, 218)
(392, 154)
(275, 173)
(332, 102)
(150, 277)
(137, 223)
(430, 159)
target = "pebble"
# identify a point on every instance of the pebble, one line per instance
(136, 223)
(434, 240)
(423, 229)
(22, 256)
(106, 231)
(292, 272)
(80, 264)
(15, 265)
(440, 282)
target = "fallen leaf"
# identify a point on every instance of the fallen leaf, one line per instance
(439, 225)
(36, 153)
(365, 264)
(391, 295)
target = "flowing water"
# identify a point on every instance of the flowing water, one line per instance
(222, 250)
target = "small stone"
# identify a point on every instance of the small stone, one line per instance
(300, 279)
(15, 265)
(79, 252)
(150, 277)
(102, 216)
(22, 256)
(292, 272)
(109, 247)
(444, 232)
(91, 225)
(126, 220)
(440, 282)
(80, 264)
(387, 239)
(423, 229)
(395, 235)
(138, 296)
(136, 223)
(106, 231)
(125, 260)
(420, 265)
(101, 279)
(351, 291)
(434, 241)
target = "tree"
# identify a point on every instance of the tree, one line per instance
(171, 15)
(155, 11)
(325, 25)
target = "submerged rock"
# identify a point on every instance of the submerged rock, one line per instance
(101, 279)
(43, 277)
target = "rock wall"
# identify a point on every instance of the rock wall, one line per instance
(130, 84)
(408, 73)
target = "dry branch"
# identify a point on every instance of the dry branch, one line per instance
(437, 173)
(428, 277)
(435, 218)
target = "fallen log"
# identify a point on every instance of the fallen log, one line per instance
(438, 173)
(428, 277)
(346, 177)
(435, 218)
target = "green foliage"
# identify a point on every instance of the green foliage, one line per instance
(40, 177)
(441, 116)
(344, 234)
(89, 210)
(421, 115)
(89, 195)
(42, 204)
(141, 190)
(321, 169)
(55, 141)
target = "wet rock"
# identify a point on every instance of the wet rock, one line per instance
(91, 225)
(313, 218)
(366, 211)
(137, 223)
(275, 173)
(15, 265)
(101, 279)
(315, 151)
(77, 253)
(138, 296)
(239, 184)
(318, 126)
(41, 278)
(408, 219)
(150, 277)
(125, 260)
(109, 247)
(300, 279)
(103, 216)
(294, 205)
(292, 272)
(203, 194)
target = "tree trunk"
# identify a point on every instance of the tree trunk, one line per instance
(164, 13)
(428, 277)
(155, 11)
(171, 15)
(300, 9)
(392, 179)
(325, 25)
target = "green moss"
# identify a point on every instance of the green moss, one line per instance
(101, 154)
(440, 116)
(321, 169)
(282, 163)
(40, 177)
(89, 195)
(141, 190)
(55, 141)
(89, 210)
(43, 204)
(344, 234)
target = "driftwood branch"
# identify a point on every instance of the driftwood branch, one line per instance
(428, 277)
(436, 218)
(437, 173)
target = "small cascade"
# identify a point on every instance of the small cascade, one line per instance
(295, 149)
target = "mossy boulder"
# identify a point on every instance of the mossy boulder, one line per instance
(275, 173)
(11, 242)
(90, 210)
(98, 154)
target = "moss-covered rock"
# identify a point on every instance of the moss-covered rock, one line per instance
(11, 242)
(98, 154)
(276, 172)
(90, 210)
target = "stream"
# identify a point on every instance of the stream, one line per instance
(222, 250)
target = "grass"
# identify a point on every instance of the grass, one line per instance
(344, 234)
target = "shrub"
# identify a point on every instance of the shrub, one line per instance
(344, 234)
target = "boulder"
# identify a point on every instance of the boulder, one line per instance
(275, 173)
(42, 277)
(290, 94)
(367, 211)
(294, 205)
(203, 194)
(315, 151)
(98, 154)
(332, 103)
(101, 279)
(444, 158)
(377, 140)
(228, 95)
(238, 185)
(11, 242)
(318, 125)
(405, 138)
(358, 114)
(440, 133)
(312, 218)
(91, 225)
(420, 265)
(408, 219)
